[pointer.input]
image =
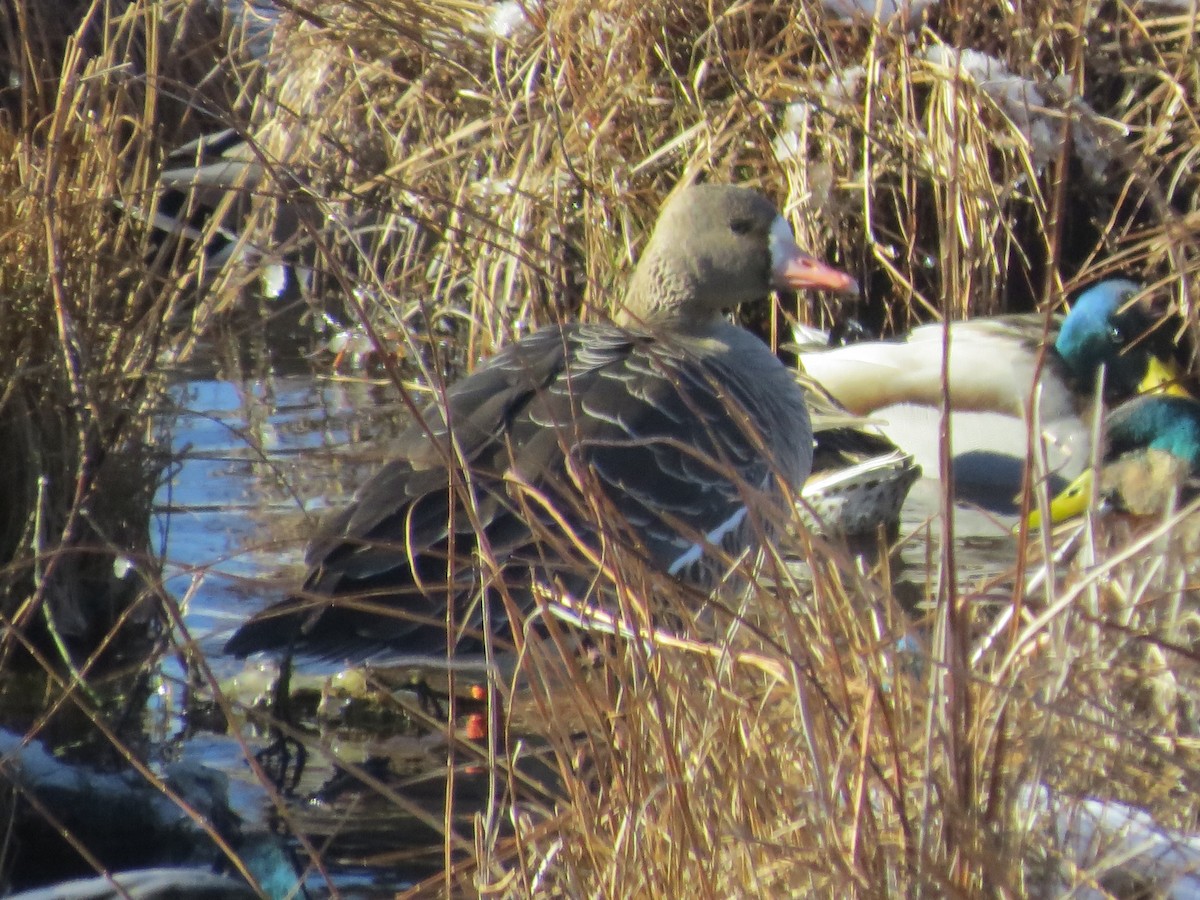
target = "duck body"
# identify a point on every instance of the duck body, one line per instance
(996, 373)
(674, 433)
(207, 186)
(991, 368)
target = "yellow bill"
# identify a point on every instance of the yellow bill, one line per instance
(1071, 501)
(1162, 376)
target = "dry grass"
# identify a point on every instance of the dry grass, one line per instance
(476, 185)
(457, 189)
(825, 742)
(509, 184)
(84, 300)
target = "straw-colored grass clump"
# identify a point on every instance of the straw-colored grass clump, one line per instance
(89, 90)
(457, 186)
(971, 166)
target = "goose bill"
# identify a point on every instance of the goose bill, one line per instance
(794, 270)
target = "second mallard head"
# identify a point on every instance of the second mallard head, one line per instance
(1151, 455)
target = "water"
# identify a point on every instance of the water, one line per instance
(259, 458)
(258, 462)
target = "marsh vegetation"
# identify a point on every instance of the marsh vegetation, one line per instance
(434, 179)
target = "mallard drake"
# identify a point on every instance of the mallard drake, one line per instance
(683, 430)
(206, 183)
(993, 364)
(1150, 461)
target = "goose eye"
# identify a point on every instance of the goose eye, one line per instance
(741, 226)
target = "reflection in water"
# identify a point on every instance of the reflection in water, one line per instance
(259, 461)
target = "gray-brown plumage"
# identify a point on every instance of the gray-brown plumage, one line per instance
(664, 427)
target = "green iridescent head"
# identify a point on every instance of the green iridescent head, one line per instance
(1152, 448)
(1105, 329)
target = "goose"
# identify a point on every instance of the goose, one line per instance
(679, 430)
(993, 365)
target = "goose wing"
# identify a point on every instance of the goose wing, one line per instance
(665, 439)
